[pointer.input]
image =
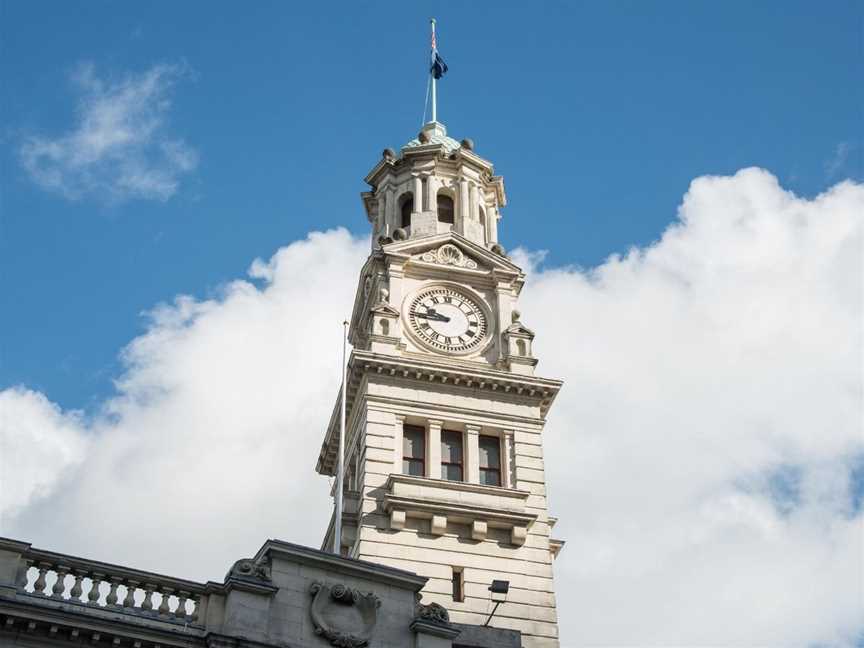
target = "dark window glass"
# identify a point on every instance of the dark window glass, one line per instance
(451, 455)
(407, 208)
(490, 461)
(445, 209)
(458, 585)
(414, 450)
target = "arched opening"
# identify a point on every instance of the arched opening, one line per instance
(520, 347)
(445, 209)
(385, 327)
(483, 223)
(407, 207)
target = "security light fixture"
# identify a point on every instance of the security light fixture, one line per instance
(498, 590)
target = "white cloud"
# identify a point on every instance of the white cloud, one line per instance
(700, 455)
(120, 147)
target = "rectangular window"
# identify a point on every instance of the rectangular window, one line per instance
(458, 585)
(490, 461)
(414, 450)
(451, 455)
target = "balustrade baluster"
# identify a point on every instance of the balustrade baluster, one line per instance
(23, 575)
(193, 617)
(78, 586)
(95, 582)
(111, 599)
(39, 585)
(147, 604)
(129, 601)
(180, 612)
(163, 607)
(60, 583)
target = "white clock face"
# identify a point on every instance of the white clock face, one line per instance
(447, 319)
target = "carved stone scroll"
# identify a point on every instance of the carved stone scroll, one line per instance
(344, 616)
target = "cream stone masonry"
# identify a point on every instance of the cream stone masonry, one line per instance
(445, 415)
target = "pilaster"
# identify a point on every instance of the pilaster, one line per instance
(433, 450)
(472, 453)
(398, 430)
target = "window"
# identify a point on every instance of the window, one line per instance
(407, 208)
(445, 209)
(414, 450)
(458, 585)
(490, 461)
(483, 222)
(451, 455)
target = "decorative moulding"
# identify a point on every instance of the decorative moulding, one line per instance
(344, 616)
(448, 255)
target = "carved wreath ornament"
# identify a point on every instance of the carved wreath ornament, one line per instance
(449, 254)
(343, 616)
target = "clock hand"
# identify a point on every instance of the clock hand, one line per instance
(432, 315)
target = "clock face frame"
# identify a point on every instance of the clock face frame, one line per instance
(444, 318)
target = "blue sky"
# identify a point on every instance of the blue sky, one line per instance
(597, 114)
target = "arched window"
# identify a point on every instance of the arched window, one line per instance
(520, 347)
(407, 208)
(445, 209)
(483, 223)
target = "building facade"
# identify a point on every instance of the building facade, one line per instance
(444, 472)
(285, 596)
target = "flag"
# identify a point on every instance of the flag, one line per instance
(438, 67)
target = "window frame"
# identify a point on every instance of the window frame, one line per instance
(407, 430)
(452, 220)
(483, 470)
(406, 200)
(457, 581)
(461, 463)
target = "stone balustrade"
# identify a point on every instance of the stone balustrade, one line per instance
(94, 584)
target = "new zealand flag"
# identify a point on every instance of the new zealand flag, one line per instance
(439, 67)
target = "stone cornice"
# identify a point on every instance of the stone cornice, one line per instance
(337, 564)
(482, 489)
(432, 370)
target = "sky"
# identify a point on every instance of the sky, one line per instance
(181, 221)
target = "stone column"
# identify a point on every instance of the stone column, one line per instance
(504, 299)
(472, 454)
(507, 480)
(392, 216)
(464, 207)
(381, 217)
(398, 424)
(433, 449)
(418, 194)
(492, 223)
(432, 197)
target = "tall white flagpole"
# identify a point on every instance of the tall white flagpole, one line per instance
(340, 466)
(434, 98)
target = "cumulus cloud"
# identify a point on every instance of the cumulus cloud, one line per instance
(705, 455)
(120, 147)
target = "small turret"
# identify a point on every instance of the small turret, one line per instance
(434, 186)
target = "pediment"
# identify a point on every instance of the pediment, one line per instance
(453, 251)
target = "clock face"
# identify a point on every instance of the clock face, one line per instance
(448, 320)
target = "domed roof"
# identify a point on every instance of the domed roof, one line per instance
(434, 133)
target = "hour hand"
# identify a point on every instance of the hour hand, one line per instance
(432, 315)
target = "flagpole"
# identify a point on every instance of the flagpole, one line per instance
(340, 468)
(434, 97)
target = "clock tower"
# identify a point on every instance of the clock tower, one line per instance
(443, 460)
